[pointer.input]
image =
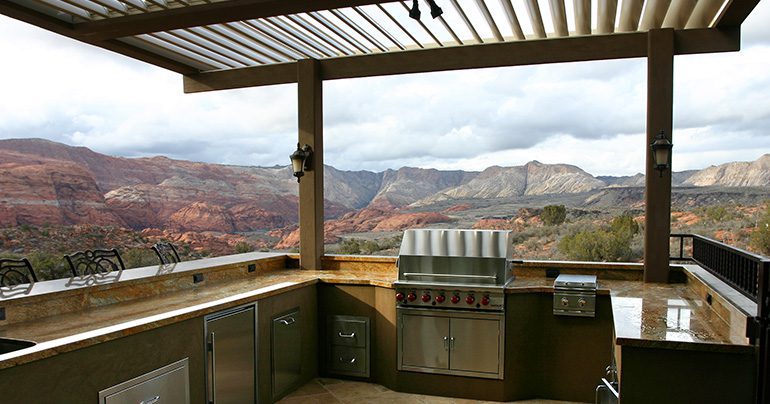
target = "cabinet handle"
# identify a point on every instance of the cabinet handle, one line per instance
(212, 368)
(451, 343)
(150, 400)
(351, 335)
(342, 360)
(446, 343)
(287, 321)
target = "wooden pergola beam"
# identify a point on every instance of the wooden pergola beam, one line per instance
(521, 53)
(735, 13)
(205, 14)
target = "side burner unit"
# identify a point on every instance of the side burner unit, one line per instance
(575, 295)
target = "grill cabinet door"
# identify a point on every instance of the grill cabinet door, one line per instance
(286, 351)
(475, 345)
(425, 341)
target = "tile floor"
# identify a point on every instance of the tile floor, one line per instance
(322, 390)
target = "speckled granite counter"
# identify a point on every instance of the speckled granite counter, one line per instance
(669, 316)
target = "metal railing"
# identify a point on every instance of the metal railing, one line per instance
(738, 268)
(747, 273)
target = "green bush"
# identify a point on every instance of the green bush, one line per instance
(243, 247)
(613, 244)
(139, 257)
(624, 225)
(760, 237)
(553, 214)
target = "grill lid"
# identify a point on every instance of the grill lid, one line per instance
(457, 243)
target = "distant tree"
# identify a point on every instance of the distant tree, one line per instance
(243, 247)
(613, 244)
(139, 257)
(760, 237)
(554, 214)
(624, 225)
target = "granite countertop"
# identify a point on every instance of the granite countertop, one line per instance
(644, 314)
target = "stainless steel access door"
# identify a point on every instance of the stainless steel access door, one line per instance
(424, 342)
(230, 359)
(286, 352)
(475, 345)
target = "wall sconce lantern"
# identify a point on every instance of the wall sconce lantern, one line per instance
(301, 160)
(661, 152)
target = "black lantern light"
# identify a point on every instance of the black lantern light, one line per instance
(661, 152)
(301, 160)
(435, 10)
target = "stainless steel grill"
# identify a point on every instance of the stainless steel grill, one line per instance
(451, 302)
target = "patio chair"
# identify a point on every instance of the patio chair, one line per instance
(95, 262)
(166, 253)
(16, 272)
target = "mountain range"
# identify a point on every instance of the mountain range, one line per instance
(45, 182)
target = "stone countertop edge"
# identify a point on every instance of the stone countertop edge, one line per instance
(66, 344)
(685, 345)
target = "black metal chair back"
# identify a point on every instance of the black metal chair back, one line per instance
(95, 262)
(166, 253)
(16, 272)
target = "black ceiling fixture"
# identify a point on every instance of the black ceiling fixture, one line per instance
(435, 10)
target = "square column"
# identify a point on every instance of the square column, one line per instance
(657, 196)
(311, 186)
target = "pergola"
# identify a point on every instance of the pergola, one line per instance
(228, 44)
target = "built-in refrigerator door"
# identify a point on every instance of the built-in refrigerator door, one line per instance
(231, 373)
(286, 352)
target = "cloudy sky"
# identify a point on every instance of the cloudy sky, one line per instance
(588, 114)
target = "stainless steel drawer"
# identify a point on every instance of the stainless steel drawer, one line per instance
(349, 361)
(169, 384)
(349, 331)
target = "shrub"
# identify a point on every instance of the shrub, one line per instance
(624, 225)
(760, 237)
(554, 214)
(243, 247)
(139, 257)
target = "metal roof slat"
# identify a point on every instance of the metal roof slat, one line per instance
(167, 37)
(704, 13)
(92, 7)
(403, 28)
(678, 14)
(171, 47)
(138, 4)
(536, 18)
(339, 32)
(320, 34)
(607, 10)
(378, 27)
(450, 30)
(630, 13)
(160, 3)
(582, 17)
(225, 43)
(488, 16)
(350, 23)
(425, 27)
(227, 31)
(205, 45)
(68, 8)
(299, 35)
(304, 49)
(210, 45)
(559, 16)
(654, 13)
(271, 43)
(467, 21)
(113, 5)
(267, 47)
(510, 13)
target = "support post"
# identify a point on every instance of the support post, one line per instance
(311, 186)
(660, 104)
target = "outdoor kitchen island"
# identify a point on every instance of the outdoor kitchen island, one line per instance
(92, 337)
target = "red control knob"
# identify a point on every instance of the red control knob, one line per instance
(470, 299)
(411, 297)
(440, 298)
(485, 300)
(425, 298)
(455, 299)
(400, 297)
